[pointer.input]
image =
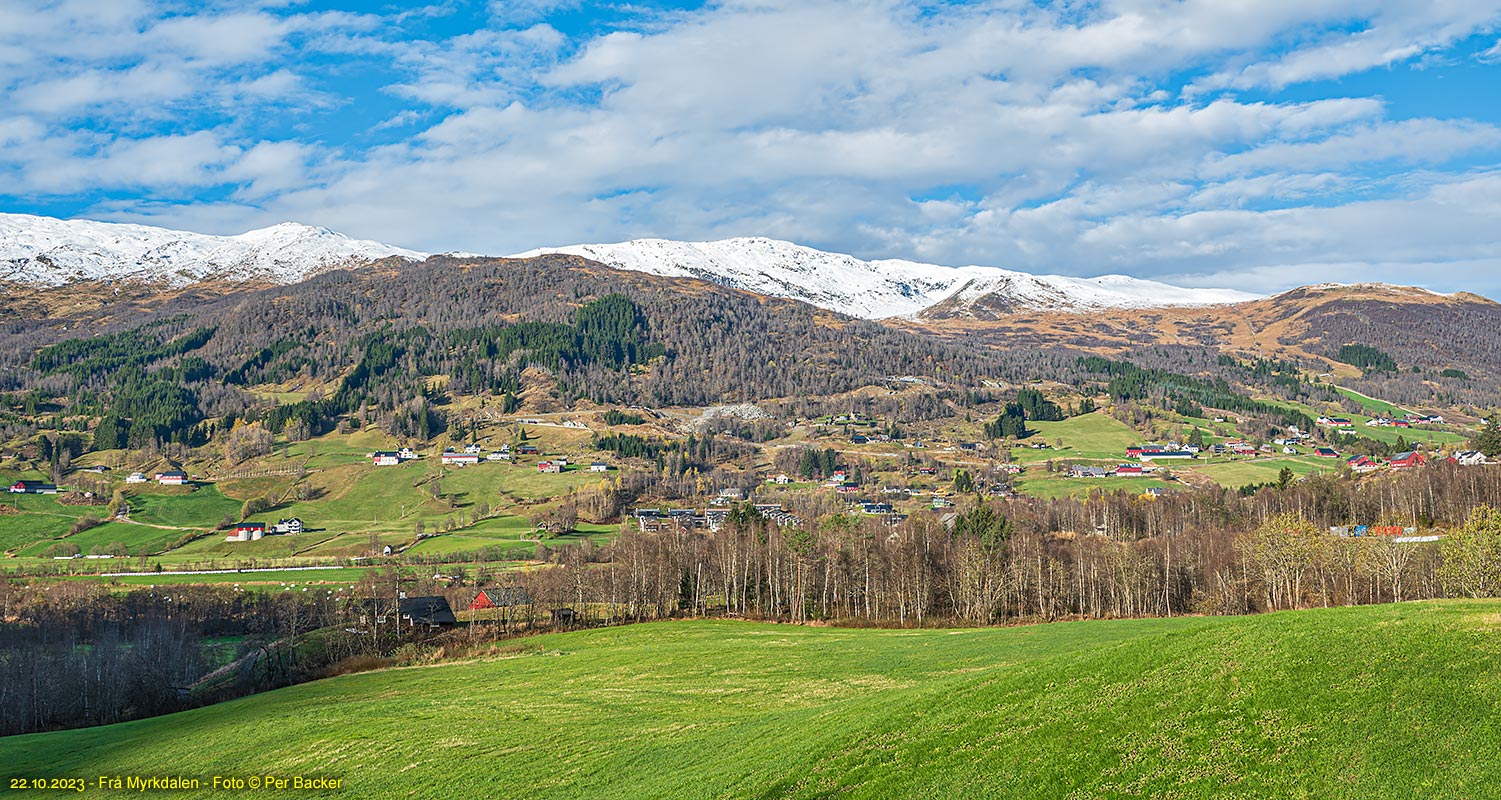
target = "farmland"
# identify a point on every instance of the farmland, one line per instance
(1275, 705)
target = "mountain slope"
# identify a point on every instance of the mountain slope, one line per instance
(1266, 706)
(43, 251)
(884, 288)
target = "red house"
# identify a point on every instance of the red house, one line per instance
(1408, 460)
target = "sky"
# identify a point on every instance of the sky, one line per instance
(1251, 144)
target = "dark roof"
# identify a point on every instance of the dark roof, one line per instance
(432, 610)
(504, 596)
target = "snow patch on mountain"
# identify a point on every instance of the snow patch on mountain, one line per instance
(44, 251)
(883, 288)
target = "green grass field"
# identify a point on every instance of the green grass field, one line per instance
(1236, 474)
(1096, 435)
(1372, 405)
(1383, 701)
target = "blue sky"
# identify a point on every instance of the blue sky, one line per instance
(1257, 145)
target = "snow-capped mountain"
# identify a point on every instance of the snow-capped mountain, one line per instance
(44, 251)
(885, 288)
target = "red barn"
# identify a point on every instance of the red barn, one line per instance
(505, 597)
(1408, 460)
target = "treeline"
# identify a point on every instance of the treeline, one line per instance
(77, 653)
(1185, 394)
(997, 561)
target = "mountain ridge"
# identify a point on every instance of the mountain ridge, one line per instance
(884, 288)
(46, 251)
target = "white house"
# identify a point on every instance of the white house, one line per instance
(293, 525)
(406, 454)
(498, 456)
(472, 447)
(385, 458)
(136, 477)
(599, 466)
(174, 477)
(459, 459)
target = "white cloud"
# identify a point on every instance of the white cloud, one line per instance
(1079, 137)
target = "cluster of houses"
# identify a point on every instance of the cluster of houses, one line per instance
(171, 477)
(1118, 471)
(651, 520)
(1163, 452)
(255, 531)
(473, 454)
(1409, 460)
(1409, 421)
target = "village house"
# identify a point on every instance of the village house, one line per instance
(136, 477)
(1325, 452)
(1468, 458)
(498, 456)
(1084, 471)
(528, 450)
(1129, 471)
(1335, 422)
(33, 487)
(472, 447)
(174, 477)
(1361, 464)
(406, 454)
(599, 466)
(385, 458)
(293, 525)
(550, 467)
(457, 459)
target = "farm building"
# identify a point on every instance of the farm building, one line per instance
(1468, 458)
(33, 487)
(459, 459)
(172, 477)
(432, 612)
(505, 597)
(550, 467)
(136, 477)
(385, 458)
(1362, 464)
(1408, 460)
(247, 532)
(1326, 452)
(1152, 455)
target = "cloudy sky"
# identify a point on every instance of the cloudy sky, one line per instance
(1256, 144)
